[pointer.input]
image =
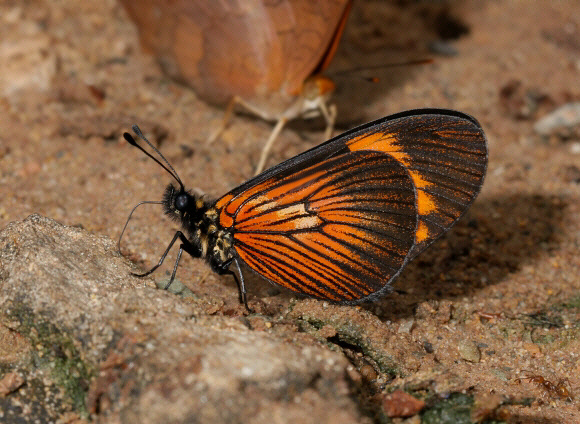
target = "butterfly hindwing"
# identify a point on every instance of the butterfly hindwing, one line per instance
(338, 230)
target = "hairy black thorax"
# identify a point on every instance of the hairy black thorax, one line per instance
(200, 221)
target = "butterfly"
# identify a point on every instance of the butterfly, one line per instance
(266, 57)
(340, 221)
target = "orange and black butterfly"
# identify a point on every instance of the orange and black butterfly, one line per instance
(340, 221)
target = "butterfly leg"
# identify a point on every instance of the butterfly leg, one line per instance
(186, 245)
(266, 149)
(238, 101)
(224, 269)
(174, 268)
(326, 110)
(225, 121)
(235, 101)
(241, 286)
(329, 114)
(189, 248)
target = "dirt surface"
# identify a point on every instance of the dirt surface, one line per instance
(489, 316)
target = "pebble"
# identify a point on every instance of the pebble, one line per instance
(469, 351)
(562, 120)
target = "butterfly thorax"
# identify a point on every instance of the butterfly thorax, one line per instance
(199, 219)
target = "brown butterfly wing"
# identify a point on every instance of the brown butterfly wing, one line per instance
(255, 49)
(339, 230)
(311, 43)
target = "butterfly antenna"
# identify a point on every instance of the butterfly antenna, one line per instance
(155, 202)
(168, 168)
(381, 67)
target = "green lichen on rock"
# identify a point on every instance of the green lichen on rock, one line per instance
(457, 408)
(55, 350)
(573, 303)
(352, 336)
(454, 409)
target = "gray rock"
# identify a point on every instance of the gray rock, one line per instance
(562, 121)
(134, 353)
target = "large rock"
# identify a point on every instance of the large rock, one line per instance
(125, 351)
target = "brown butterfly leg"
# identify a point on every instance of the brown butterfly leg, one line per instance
(268, 146)
(225, 121)
(329, 114)
(228, 116)
(257, 112)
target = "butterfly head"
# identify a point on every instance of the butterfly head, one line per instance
(180, 204)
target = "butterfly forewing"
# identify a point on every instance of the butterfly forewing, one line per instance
(446, 156)
(338, 230)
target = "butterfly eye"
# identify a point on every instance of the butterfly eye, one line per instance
(181, 202)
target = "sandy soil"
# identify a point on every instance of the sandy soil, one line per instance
(496, 300)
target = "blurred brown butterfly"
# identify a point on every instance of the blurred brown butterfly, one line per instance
(263, 55)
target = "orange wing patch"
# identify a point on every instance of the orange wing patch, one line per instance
(422, 232)
(387, 143)
(446, 157)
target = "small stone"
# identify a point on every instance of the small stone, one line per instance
(10, 382)
(533, 349)
(425, 310)
(401, 404)
(368, 373)
(500, 373)
(469, 351)
(406, 326)
(561, 122)
(444, 311)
